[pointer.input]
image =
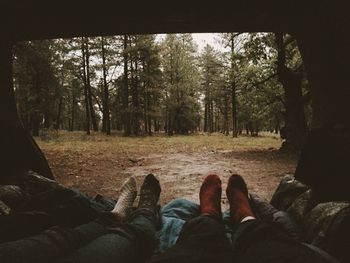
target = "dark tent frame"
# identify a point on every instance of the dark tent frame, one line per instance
(321, 28)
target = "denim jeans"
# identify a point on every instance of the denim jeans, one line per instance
(187, 237)
(173, 217)
(101, 240)
(61, 207)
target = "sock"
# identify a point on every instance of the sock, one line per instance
(210, 196)
(150, 192)
(237, 195)
(127, 195)
(247, 218)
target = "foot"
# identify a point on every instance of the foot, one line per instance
(149, 194)
(127, 195)
(237, 195)
(210, 196)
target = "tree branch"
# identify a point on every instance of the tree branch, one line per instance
(262, 81)
(97, 101)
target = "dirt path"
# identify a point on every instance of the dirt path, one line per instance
(99, 164)
(181, 174)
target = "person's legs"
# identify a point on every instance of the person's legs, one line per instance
(203, 238)
(129, 242)
(258, 241)
(61, 206)
(51, 244)
(57, 242)
(133, 241)
(22, 225)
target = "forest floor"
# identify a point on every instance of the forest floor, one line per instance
(99, 163)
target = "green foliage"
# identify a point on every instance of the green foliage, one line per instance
(168, 85)
(180, 83)
(36, 83)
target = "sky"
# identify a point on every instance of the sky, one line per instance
(206, 38)
(201, 39)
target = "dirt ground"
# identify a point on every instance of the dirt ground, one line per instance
(99, 164)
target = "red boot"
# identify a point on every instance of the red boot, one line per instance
(210, 196)
(237, 195)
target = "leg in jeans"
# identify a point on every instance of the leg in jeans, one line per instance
(256, 241)
(61, 206)
(130, 242)
(51, 244)
(203, 238)
(58, 242)
(102, 240)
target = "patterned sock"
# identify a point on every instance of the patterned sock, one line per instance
(210, 196)
(237, 195)
(127, 195)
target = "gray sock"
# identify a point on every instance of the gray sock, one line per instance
(127, 195)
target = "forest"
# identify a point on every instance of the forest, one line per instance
(137, 85)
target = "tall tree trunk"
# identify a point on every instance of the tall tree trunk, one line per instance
(210, 116)
(145, 115)
(103, 128)
(205, 115)
(170, 111)
(170, 126)
(233, 89)
(126, 119)
(86, 94)
(166, 130)
(149, 125)
(35, 120)
(226, 128)
(234, 109)
(155, 125)
(135, 98)
(295, 122)
(217, 121)
(145, 98)
(106, 113)
(148, 100)
(47, 120)
(35, 123)
(60, 105)
(73, 111)
(59, 111)
(89, 91)
(166, 120)
(207, 123)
